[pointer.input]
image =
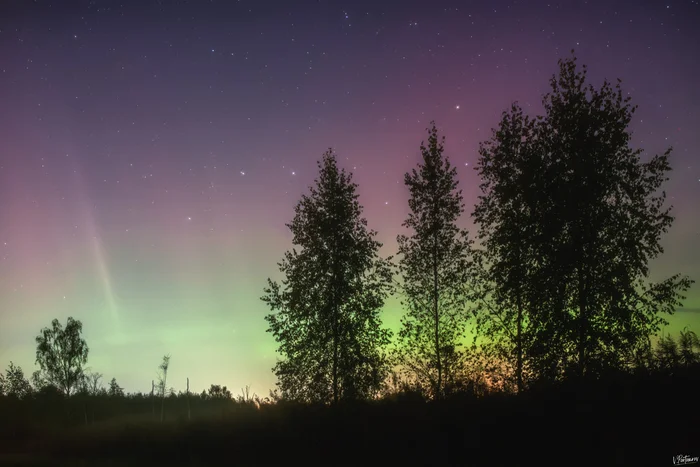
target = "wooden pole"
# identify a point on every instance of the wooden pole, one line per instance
(153, 404)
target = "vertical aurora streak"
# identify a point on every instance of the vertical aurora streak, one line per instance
(102, 267)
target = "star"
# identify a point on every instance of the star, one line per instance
(457, 107)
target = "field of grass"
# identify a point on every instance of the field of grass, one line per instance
(640, 422)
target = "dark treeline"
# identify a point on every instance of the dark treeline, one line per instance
(87, 406)
(533, 337)
(557, 285)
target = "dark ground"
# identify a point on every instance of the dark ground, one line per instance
(636, 422)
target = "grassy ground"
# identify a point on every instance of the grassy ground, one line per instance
(631, 424)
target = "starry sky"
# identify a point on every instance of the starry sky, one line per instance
(152, 151)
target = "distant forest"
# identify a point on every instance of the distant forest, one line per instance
(552, 288)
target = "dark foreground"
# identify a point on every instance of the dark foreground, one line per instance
(635, 422)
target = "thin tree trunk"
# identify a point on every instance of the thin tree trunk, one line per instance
(153, 403)
(582, 324)
(336, 332)
(438, 392)
(519, 345)
(334, 305)
(162, 400)
(587, 246)
(335, 356)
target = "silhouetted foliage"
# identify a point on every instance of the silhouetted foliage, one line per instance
(571, 217)
(605, 215)
(61, 354)
(509, 223)
(671, 355)
(14, 384)
(39, 381)
(219, 392)
(667, 354)
(689, 348)
(114, 389)
(326, 312)
(435, 266)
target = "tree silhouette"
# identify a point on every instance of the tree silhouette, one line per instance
(114, 390)
(219, 392)
(605, 215)
(61, 354)
(39, 382)
(435, 269)
(666, 353)
(689, 348)
(326, 311)
(507, 213)
(14, 383)
(3, 384)
(246, 397)
(162, 383)
(90, 383)
(671, 354)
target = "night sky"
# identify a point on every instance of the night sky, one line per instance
(151, 152)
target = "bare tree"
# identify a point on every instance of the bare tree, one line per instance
(162, 381)
(246, 397)
(90, 383)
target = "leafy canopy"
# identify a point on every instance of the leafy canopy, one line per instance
(61, 354)
(326, 310)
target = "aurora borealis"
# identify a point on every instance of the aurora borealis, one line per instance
(152, 152)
